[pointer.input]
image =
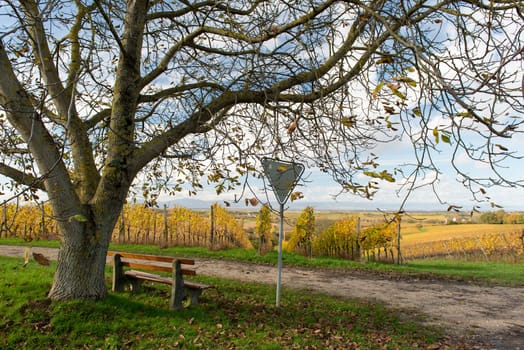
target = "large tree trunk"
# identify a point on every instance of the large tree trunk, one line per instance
(80, 272)
(82, 255)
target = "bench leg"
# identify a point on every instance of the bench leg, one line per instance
(194, 294)
(135, 284)
(119, 279)
(178, 292)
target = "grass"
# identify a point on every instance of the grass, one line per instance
(234, 316)
(493, 273)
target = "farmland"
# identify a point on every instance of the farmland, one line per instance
(434, 234)
(423, 234)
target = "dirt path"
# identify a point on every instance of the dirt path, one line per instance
(492, 316)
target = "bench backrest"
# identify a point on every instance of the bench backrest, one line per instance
(153, 262)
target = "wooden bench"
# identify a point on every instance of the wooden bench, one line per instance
(183, 293)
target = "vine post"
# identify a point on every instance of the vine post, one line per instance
(399, 254)
(3, 228)
(166, 229)
(212, 227)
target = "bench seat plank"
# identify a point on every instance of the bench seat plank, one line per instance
(196, 285)
(148, 257)
(148, 277)
(151, 267)
(164, 279)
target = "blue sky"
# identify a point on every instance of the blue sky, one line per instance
(319, 188)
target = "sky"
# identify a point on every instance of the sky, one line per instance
(319, 191)
(319, 188)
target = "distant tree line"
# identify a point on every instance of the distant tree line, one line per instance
(501, 217)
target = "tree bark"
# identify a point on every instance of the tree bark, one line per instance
(80, 272)
(81, 261)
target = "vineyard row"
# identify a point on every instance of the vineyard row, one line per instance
(138, 225)
(218, 229)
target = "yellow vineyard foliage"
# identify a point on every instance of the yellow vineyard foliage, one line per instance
(137, 224)
(506, 244)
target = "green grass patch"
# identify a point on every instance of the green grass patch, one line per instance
(33, 243)
(234, 316)
(490, 272)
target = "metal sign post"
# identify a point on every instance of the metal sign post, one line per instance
(283, 177)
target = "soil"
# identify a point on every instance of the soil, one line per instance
(487, 317)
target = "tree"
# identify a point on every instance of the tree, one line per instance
(339, 239)
(490, 217)
(264, 230)
(301, 240)
(100, 98)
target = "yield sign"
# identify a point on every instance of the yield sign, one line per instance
(283, 176)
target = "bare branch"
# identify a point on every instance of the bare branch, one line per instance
(21, 177)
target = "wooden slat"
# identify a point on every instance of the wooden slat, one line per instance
(148, 257)
(166, 280)
(150, 267)
(197, 285)
(148, 277)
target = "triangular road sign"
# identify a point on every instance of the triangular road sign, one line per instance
(283, 176)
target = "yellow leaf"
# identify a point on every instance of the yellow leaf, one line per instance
(348, 121)
(26, 256)
(384, 60)
(296, 195)
(78, 217)
(377, 89)
(399, 94)
(464, 114)
(406, 80)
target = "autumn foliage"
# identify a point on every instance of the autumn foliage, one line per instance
(505, 246)
(180, 226)
(338, 240)
(303, 234)
(138, 225)
(219, 229)
(28, 222)
(264, 230)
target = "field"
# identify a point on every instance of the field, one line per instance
(413, 235)
(429, 235)
(423, 234)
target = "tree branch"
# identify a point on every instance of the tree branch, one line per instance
(21, 177)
